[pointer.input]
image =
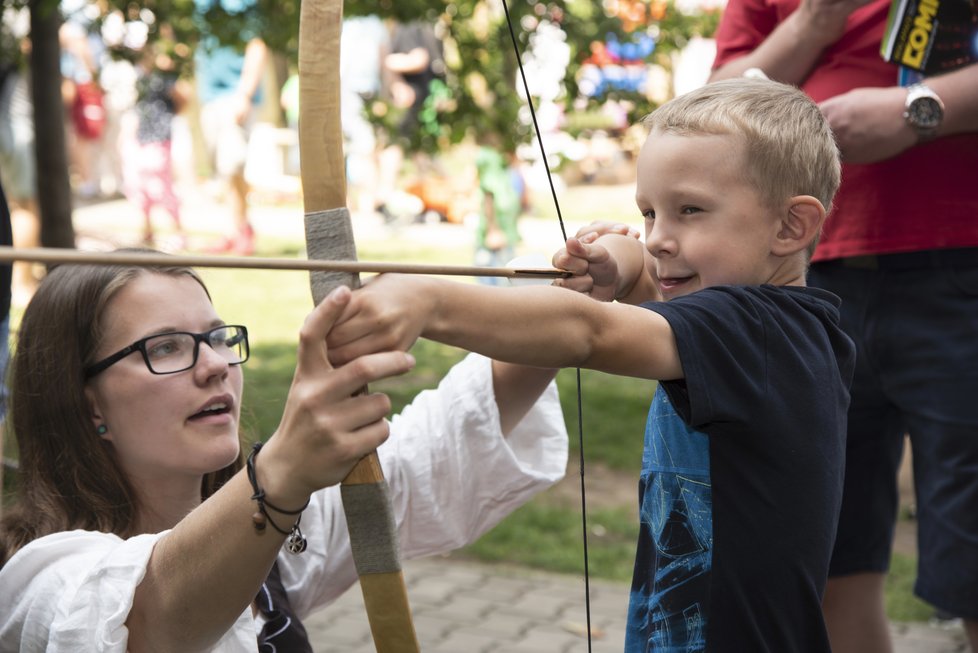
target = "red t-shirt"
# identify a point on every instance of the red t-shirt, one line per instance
(925, 198)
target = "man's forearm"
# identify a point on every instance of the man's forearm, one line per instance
(787, 55)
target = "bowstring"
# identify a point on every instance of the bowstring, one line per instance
(580, 410)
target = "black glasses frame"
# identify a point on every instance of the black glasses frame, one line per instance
(140, 346)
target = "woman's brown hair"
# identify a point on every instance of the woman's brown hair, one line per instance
(68, 477)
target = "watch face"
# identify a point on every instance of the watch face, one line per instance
(925, 113)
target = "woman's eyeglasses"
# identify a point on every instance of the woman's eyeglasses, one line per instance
(169, 353)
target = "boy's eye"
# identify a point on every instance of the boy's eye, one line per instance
(648, 215)
(689, 210)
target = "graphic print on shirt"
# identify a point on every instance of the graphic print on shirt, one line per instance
(671, 584)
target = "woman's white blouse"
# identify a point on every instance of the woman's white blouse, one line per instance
(452, 477)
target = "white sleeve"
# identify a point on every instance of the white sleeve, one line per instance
(452, 476)
(71, 591)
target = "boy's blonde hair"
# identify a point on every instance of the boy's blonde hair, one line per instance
(790, 147)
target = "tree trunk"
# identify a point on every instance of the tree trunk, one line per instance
(54, 189)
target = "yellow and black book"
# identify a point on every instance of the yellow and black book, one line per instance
(931, 36)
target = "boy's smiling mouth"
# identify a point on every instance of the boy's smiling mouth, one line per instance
(670, 285)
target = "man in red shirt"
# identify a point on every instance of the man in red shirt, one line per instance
(901, 249)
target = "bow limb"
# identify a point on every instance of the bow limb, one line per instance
(329, 235)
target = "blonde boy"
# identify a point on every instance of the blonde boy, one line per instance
(742, 469)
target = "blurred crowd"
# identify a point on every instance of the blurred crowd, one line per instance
(148, 116)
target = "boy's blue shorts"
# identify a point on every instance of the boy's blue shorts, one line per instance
(914, 318)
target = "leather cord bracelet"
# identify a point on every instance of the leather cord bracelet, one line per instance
(296, 542)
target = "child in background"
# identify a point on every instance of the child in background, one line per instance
(149, 171)
(742, 470)
(501, 205)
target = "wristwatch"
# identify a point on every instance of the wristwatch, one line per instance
(923, 111)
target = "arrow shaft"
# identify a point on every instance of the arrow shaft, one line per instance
(54, 255)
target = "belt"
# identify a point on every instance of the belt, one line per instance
(937, 258)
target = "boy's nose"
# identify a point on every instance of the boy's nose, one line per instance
(659, 241)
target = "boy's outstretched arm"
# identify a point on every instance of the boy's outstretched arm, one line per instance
(540, 326)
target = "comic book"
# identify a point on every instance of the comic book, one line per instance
(931, 36)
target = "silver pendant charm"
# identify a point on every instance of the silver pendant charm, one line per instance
(296, 542)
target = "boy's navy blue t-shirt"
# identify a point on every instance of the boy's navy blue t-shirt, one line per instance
(742, 474)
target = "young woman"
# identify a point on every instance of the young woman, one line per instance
(135, 527)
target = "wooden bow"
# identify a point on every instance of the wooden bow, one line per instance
(329, 236)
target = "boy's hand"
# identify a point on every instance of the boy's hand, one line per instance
(326, 428)
(388, 313)
(603, 227)
(595, 272)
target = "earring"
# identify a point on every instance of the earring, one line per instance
(101, 429)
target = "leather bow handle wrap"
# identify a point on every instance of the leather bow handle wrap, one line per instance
(329, 236)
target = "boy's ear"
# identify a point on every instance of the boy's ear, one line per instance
(799, 225)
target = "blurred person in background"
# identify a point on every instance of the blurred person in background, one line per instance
(18, 169)
(501, 204)
(84, 104)
(148, 144)
(229, 89)
(415, 61)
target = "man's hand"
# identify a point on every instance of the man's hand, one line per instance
(868, 123)
(825, 20)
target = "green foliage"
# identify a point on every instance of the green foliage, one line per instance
(11, 52)
(479, 98)
(482, 99)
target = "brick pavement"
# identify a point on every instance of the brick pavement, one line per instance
(472, 608)
(465, 607)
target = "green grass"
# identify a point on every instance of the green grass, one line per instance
(901, 604)
(547, 537)
(545, 533)
(614, 412)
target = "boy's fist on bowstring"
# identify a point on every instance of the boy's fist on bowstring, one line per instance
(595, 271)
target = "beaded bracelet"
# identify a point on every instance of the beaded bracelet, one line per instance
(296, 542)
